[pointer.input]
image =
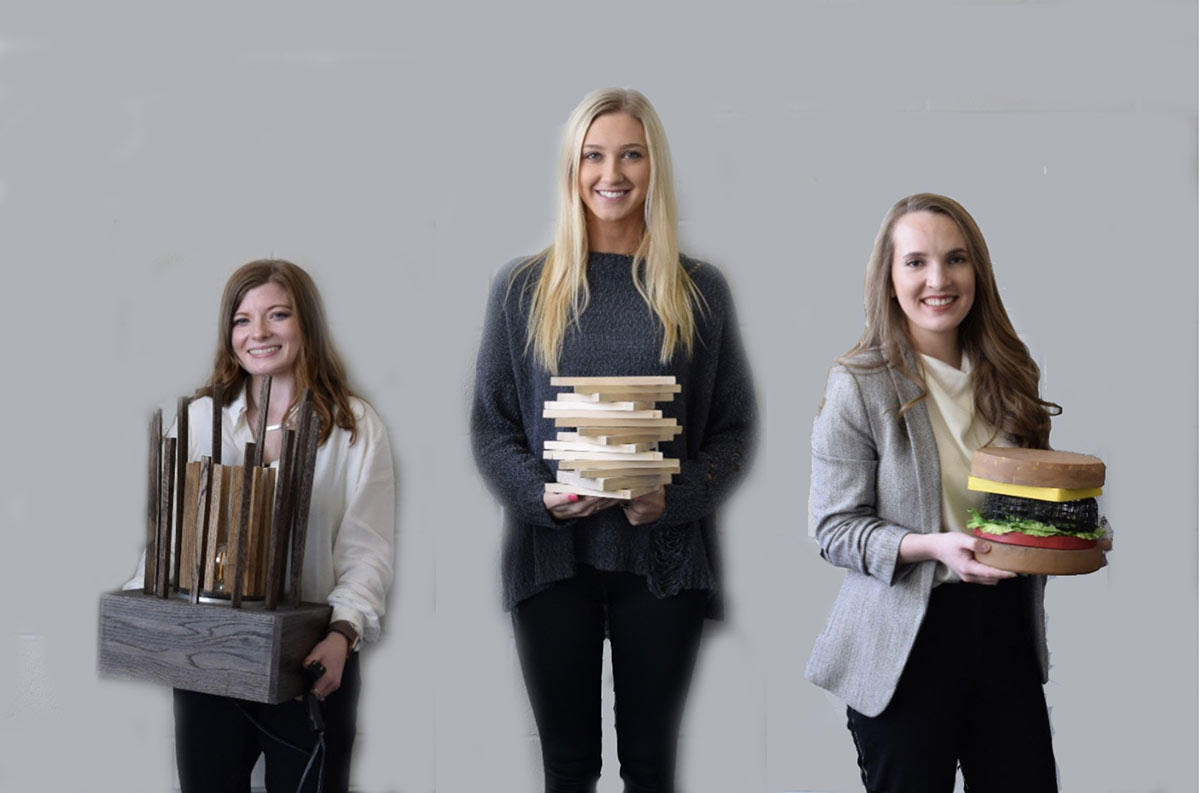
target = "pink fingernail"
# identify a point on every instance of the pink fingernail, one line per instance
(572, 497)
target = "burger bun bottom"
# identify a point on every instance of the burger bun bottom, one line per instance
(1040, 561)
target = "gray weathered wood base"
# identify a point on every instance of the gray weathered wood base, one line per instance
(248, 653)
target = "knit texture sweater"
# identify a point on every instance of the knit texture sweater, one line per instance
(618, 334)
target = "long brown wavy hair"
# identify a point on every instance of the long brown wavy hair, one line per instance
(318, 366)
(1004, 373)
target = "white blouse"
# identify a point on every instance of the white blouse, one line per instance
(348, 553)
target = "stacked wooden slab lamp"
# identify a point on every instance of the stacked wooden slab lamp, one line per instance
(213, 614)
(612, 451)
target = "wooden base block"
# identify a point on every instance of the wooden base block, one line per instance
(1042, 561)
(248, 653)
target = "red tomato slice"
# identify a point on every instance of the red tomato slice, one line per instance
(1056, 542)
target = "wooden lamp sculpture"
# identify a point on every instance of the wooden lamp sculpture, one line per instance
(239, 532)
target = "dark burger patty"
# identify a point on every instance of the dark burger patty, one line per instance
(1081, 515)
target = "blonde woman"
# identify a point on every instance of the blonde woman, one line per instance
(611, 296)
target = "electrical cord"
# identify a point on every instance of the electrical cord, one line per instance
(316, 720)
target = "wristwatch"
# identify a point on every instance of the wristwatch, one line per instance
(345, 628)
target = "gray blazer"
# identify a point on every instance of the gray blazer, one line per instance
(876, 478)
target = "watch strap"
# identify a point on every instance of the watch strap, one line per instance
(345, 628)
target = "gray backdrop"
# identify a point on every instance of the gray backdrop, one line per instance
(402, 153)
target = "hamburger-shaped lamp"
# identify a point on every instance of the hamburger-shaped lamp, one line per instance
(1039, 512)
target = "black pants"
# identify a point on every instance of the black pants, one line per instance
(971, 694)
(217, 744)
(560, 636)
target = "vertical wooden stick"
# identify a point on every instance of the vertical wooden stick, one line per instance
(218, 522)
(302, 493)
(264, 404)
(150, 574)
(166, 492)
(181, 461)
(243, 528)
(202, 508)
(217, 406)
(277, 540)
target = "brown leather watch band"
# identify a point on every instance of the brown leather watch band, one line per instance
(346, 629)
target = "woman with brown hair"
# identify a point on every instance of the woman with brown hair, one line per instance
(612, 296)
(939, 657)
(272, 322)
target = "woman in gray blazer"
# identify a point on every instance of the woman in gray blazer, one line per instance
(940, 658)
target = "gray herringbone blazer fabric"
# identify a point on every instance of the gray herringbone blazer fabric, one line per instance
(874, 479)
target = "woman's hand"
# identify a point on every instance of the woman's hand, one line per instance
(565, 506)
(647, 508)
(956, 550)
(332, 652)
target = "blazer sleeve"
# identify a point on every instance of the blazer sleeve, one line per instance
(845, 466)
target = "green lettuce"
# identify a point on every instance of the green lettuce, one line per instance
(1027, 526)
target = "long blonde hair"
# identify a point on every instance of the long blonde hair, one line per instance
(560, 294)
(1004, 373)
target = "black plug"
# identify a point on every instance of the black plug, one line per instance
(312, 673)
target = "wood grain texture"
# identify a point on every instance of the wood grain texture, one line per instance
(605, 421)
(243, 493)
(665, 466)
(218, 395)
(199, 526)
(624, 495)
(305, 467)
(260, 434)
(191, 509)
(165, 502)
(260, 525)
(559, 455)
(629, 393)
(218, 522)
(181, 460)
(277, 539)
(248, 653)
(154, 484)
(636, 380)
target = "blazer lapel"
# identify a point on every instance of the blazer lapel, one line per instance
(926, 464)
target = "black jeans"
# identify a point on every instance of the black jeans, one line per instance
(970, 694)
(217, 744)
(560, 635)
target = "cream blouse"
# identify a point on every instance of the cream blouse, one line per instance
(958, 432)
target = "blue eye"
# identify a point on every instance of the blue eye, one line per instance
(240, 321)
(280, 315)
(591, 155)
(633, 155)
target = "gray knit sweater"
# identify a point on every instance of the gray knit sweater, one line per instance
(617, 335)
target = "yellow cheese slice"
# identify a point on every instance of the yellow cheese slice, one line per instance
(1029, 491)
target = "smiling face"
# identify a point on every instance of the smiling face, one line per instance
(614, 174)
(933, 279)
(266, 335)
